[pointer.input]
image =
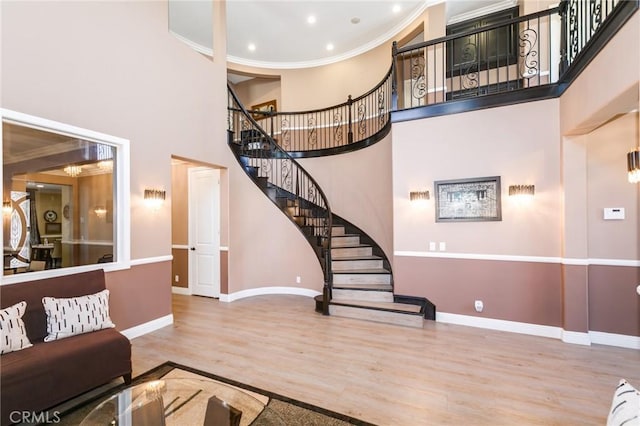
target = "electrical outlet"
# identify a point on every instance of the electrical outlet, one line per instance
(432, 245)
(479, 305)
(177, 278)
(443, 246)
(298, 280)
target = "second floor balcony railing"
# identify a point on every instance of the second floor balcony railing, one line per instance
(529, 57)
(355, 123)
(519, 53)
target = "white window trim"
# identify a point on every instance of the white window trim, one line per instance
(122, 237)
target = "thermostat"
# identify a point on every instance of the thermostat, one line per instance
(613, 213)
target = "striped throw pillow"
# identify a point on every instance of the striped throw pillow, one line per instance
(68, 317)
(625, 407)
(12, 329)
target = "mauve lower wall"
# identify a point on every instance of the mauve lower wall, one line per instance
(139, 294)
(614, 305)
(529, 292)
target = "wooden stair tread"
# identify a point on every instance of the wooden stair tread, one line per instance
(389, 306)
(363, 287)
(347, 258)
(363, 271)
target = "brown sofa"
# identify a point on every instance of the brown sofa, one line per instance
(48, 373)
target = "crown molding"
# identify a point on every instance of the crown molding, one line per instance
(195, 46)
(486, 10)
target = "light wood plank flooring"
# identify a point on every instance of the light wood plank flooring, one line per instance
(390, 375)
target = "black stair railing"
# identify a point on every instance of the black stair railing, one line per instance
(581, 20)
(541, 50)
(518, 53)
(285, 182)
(353, 124)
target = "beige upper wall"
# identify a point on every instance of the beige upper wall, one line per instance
(179, 204)
(492, 142)
(607, 87)
(358, 186)
(607, 149)
(259, 90)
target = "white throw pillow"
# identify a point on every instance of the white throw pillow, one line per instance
(68, 317)
(625, 407)
(12, 329)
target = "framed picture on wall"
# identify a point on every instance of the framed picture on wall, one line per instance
(264, 109)
(468, 200)
(52, 228)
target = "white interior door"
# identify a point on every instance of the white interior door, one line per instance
(204, 231)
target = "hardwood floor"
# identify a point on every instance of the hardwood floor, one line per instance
(390, 375)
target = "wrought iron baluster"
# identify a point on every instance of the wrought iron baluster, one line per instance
(362, 115)
(528, 40)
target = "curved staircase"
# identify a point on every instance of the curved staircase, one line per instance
(363, 282)
(358, 275)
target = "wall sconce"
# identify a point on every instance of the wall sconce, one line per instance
(73, 170)
(6, 207)
(154, 197)
(419, 195)
(522, 190)
(100, 211)
(633, 166)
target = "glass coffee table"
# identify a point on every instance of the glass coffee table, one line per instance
(184, 402)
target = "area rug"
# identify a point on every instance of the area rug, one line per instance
(280, 409)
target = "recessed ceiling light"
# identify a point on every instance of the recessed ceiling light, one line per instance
(311, 20)
(396, 8)
(251, 47)
(355, 20)
(329, 46)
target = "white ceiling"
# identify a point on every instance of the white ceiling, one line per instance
(284, 39)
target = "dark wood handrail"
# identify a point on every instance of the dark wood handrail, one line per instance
(501, 24)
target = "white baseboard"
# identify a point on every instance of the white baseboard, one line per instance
(576, 338)
(611, 339)
(501, 325)
(180, 290)
(573, 337)
(268, 290)
(148, 327)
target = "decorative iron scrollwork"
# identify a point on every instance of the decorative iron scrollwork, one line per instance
(312, 138)
(362, 118)
(418, 79)
(469, 76)
(285, 135)
(312, 194)
(285, 172)
(266, 167)
(596, 15)
(337, 128)
(381, 109)
(574, 30)
(528, 40)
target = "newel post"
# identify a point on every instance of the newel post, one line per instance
(394, 83)
(350, 123)
(326, 290)
(564, 23)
